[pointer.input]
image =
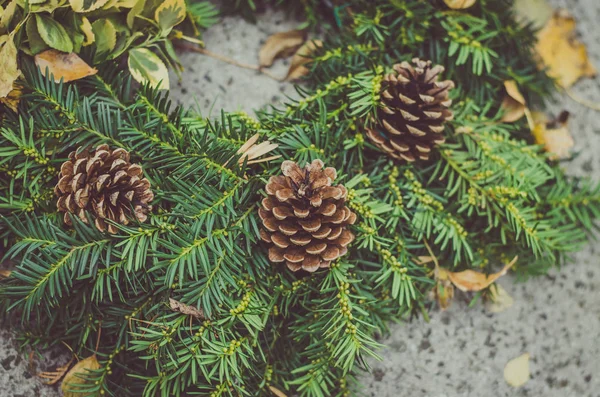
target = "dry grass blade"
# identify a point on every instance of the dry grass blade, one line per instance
(53, 377)
(277, 392)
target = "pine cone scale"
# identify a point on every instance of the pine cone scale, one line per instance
(305, 218)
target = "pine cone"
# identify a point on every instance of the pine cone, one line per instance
(415, 107)
(104, 183)
(305, 218)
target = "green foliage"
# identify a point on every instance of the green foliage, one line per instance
(487, 195)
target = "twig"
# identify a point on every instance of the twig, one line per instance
(584, 102)
(231, 61)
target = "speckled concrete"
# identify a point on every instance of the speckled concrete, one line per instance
(460, 352)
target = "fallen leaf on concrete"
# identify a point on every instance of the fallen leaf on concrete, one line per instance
(516, 371)
(54, 376)
(565, 57)
(186, 309)
(554, 135)
(301, 58)
(280, 45)
(277, 392)
(498, 300)
(69, 66)
(471, 280)
(76, 376)
(513, 104)
(534, 12)
(459, 4)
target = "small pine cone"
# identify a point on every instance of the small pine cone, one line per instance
(104, 183)
(415, 107)
(305, 218)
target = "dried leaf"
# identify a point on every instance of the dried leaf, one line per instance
(565, 57)
(280, 45)
(554, 135)
(534, 12)
(459, 4)
(8, 65)
(5, 273)
(516, 371)
(499, 300)
(186, 309)
(513, 104)
(471, 280)
(69, 67)
(277, 392)
(13, 98)
(54, 376)
(76, 376)
(301, 58)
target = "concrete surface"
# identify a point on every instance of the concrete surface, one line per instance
(461, 352)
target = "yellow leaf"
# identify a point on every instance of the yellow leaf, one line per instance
(86, 28)
(69, 67)
(565, 57)
(76, 376)
(499, 300)
(516, 371)
(554, 135)
(280, 45)
(513, 103)
(7, 15)
(471, 280)
(8, 65)
(459, 4)
(86, 6)
(301, 58)
(277, 392)
(13, 98)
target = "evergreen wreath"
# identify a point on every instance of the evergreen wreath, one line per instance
(189, 266)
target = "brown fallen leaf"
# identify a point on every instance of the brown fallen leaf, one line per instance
(76, 376)
(498, 300)
(9, 71)
(516, 371)
(471, 280)
(565, 57)
(14, 97)
(513, 104)
(69, 66)
(459, 4)
(186, 309)
(5, 273)
(280, 45)
(301, 58)
(53, 377)
(554, 135)
(277, 392)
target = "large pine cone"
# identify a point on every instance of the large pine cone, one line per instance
(415, 107)
(305, 218)
(104, 183)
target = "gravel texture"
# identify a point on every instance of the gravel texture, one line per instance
(462, 351)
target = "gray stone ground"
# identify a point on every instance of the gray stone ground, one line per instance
(461, 352)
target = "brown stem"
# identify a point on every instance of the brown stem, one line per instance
(223, 58)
